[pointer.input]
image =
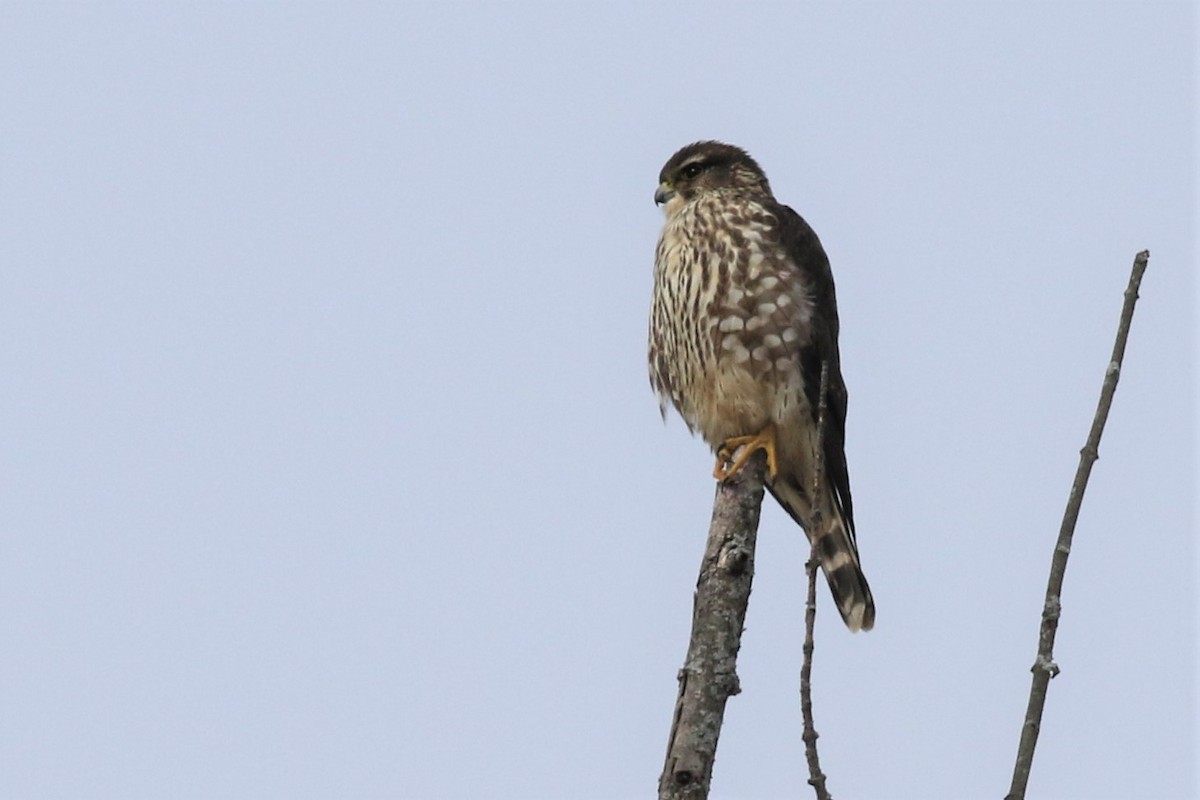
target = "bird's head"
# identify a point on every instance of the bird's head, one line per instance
(704, 167)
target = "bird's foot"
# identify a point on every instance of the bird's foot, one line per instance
(736, 451)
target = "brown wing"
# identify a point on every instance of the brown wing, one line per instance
(805, 250)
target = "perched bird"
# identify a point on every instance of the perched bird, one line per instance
(743, 316)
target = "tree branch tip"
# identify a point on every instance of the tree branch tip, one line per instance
(1044, 669)
(709, 677)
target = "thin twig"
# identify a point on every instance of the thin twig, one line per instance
(709, 676)
(1044, 667)
(816, 778)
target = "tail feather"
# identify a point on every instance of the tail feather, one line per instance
(839, 556)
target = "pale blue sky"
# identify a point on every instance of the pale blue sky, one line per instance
(330, 464)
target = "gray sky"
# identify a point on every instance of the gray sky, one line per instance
(330, 464)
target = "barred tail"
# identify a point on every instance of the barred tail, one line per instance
(839, 557)
(839, 560)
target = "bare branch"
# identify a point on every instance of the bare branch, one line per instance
(709, 676)
(1044, 667)
(816, 778)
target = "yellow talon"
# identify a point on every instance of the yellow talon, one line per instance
(736, 451)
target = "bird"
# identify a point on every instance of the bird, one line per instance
(742, 319)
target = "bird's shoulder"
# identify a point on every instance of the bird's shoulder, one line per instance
(803, 247)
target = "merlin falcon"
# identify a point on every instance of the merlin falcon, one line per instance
(743, 317)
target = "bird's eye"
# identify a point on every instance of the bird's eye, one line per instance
(692, 170)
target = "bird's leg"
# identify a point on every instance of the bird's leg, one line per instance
(736, 451)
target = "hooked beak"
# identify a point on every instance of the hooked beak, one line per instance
(663, 193)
